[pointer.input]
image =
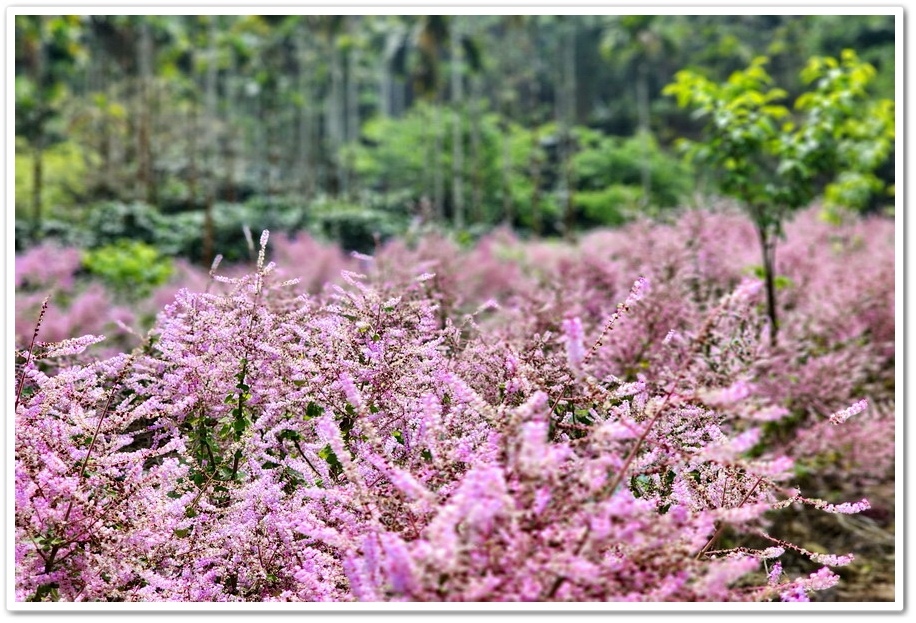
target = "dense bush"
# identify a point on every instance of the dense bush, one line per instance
(609, 177)
(526, 163)
(130, 268)
(515, 421)
(398, 155)
(64, 171)
(355, 225)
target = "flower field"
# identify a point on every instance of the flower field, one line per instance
(606, 420)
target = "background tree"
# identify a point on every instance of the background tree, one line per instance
(47, 53)
(775, 164)
(644, 42)
(296, 117)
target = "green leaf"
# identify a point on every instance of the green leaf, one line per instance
(239, 426)
(312, 410)
(327, 454)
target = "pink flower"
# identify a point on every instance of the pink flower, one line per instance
(574, 337)
(637, 292)
(841, 416)
(794, 593)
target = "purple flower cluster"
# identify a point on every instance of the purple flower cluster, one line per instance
(398, 437)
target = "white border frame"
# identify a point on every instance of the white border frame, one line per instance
(379, 7)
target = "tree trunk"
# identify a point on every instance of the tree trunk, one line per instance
(352, 125)
(508, 204)
(477, 214)
(38, 75)
(211, 119)
(145, 182)
(192, 155)
(387, 85)
(458, 125)
(642, 108)
(438, 176)
(37, 174)
(566, 123)
(306, 172)
(334, 117)
(535, 163)
(768, 249)
(384, 86)
(399, 103)
(534, 170)
(232, 139)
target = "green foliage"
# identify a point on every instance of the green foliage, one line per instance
(611, 206)
(308, 105)
(396, 155)
(130, 268)
(112, 221)
(354, 226)
(230, 220)
(611, 167)
(774, 161)
(744, 131)
(49, 47)
(855, 133)
(65, 167)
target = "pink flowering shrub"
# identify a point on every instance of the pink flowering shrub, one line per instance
(51, 271)
(594, 433)
(313, 263)
(79, 306)
(836, 291)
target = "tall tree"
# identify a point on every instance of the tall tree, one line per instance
(566, 115)
(773, 163)
(430, 39)
(457, 88)
(642, 41)
(307, 131)
(144, 134)
(354, 45)
(212, 139)
(48, 50)
(335, 122)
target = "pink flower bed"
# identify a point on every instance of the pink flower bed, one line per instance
(513, 422)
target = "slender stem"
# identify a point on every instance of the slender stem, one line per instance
(28, 359)
(235, 464)
(305, 458)
(201, 491)
(621, 473)
(721, 527)
(768, 250)
(621, 309)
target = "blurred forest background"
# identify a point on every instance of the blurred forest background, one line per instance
(182, 131)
